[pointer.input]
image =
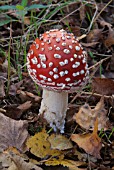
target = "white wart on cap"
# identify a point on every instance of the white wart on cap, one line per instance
(57, 61)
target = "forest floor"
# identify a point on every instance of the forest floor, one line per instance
(26, 140)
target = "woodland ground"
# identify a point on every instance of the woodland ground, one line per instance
(26, 141)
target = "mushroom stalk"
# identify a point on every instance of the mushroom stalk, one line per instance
(54, 107)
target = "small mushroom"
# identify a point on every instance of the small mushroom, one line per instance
(57, 62)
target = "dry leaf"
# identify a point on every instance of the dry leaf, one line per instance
(94, 36)
(109, 41)
(82, 12)
(40, 146)
(12, 133)
(13, 112)
(25, 96)
(91, 143)
(2, 90)
(65, 162)
(11, 161)
(6, 162)
(59, 142)
(103, 23)
(112, 62)
(27, 20)
(86, 116)
(103, 86)
(92, 44)
(14, 87)
(22, 164)
(25, 106)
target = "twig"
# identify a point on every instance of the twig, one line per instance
(102, 10)
(98, 63)
(97, 95)
(73, 12)
(93, 19)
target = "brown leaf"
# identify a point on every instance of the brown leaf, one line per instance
(25, 106)
(86, 116)
(103, 23)
(12, 133)
(2, 91)
(14, 87)
(12, 161)
(91, 143)
(27, 20)
(112, 62)
(25, 96)
(59, 142)
(13, 112)
(22, 164)
(103, 86)
(109, 41)
(89, 44)
(94, 36)
(82, 12)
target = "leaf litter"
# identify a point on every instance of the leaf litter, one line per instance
(88, 115)
(93, 23)
(91, 143)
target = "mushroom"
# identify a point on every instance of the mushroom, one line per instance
(57, 62)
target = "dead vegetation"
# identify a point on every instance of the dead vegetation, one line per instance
(26, 141)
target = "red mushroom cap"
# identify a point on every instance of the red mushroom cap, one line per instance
(57, 61)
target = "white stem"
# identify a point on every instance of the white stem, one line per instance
(54, 107)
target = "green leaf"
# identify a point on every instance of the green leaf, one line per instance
(19, 7)
(34, 6)
(4, 19)
(24, 3)
(7, 7)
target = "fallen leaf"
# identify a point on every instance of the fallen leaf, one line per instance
(14, 87)
(109, 41)
(40, 146)
(59, 142)
(25, 106)
(86, 116)
(103, 23)
(4, 67)
(94, 36)
(12, 161)
(12, 112)
(112, 62)
(90, 44)
(35, 97)
(25, 96)
(22, 163)
(65, 162)
(82, 12)
(2, 90)
(103, 86)
(27, 20)
(91, 143)
(6, 162)
(12, 133)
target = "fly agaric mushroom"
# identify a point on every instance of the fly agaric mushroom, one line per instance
(57, 62)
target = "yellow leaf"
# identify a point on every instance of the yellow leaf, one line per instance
(40, 146)
(65, 162)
